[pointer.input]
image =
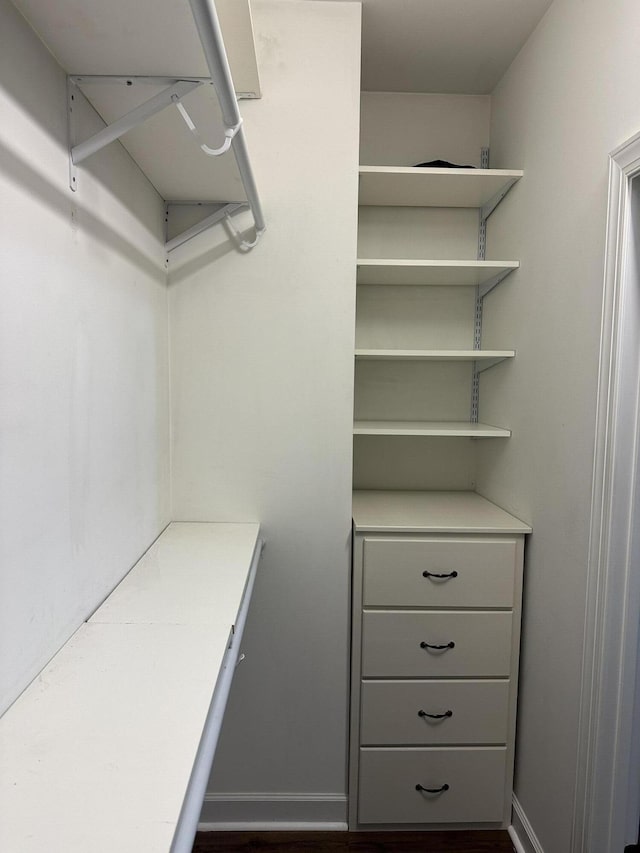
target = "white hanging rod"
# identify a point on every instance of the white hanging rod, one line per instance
(208, 26)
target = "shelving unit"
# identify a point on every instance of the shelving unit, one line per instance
(438, 187)
(437, 576)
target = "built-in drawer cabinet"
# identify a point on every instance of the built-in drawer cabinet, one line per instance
(436, 630)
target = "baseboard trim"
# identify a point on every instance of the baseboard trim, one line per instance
(275, 826)
(273, 811)
(521, 832)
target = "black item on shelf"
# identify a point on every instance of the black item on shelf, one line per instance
(441, 164)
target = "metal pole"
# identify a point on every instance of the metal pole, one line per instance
(208, 26)
(192, 804)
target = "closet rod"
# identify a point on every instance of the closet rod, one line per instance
(208, 26)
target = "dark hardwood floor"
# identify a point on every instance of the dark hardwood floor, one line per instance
(489, 841)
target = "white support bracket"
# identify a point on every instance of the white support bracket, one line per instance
(79, 152)
(204, 224)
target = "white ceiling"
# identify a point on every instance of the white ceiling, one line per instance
(443, 45)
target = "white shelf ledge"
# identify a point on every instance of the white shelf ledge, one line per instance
(435, 273)
(415, 187)
(451, 429)
(109, 749)
(433, 355)
(431, 512)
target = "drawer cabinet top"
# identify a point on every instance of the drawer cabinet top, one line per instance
(431, 512)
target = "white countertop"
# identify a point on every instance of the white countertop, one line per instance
(193, 574)
(431, 512)
(98, 752)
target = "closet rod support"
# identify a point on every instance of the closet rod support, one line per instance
(204, 224)
(118, 128)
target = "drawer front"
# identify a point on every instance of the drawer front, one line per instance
(475, 779)
(391, 644)
(480, 572)
(452, 712)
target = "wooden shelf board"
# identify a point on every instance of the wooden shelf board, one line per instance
(433, 355)
(429, 428)
(415, 187)
(431, 272)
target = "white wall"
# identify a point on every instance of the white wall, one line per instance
(569, 98)
(407, 128)
(83, 367)
(262, 379)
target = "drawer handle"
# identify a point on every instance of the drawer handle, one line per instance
(444, 787)
(438, 648)
(435, 716)
(446, 576)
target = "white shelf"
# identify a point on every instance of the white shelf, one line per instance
(428, 272)
(433, 355)
(452, 429)
(108, 748)
(190, 575)
(142, 39)
(416, 187)
(431, 512)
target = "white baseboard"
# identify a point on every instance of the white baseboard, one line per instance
(521, 832)
(286, 811)
(275, 826)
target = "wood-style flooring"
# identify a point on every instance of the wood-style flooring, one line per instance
(486, 841)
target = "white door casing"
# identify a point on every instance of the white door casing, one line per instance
(607, 802)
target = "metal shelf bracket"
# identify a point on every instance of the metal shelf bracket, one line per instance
(491, 205)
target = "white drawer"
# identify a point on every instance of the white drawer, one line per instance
(392, 644)
(434, 712)
(475, 778)
(478, 572)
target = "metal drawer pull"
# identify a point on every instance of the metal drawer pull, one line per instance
(435, 716)
(444, 787)
(427, 574)
(424, 645)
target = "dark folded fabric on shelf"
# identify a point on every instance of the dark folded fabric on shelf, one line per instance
(442, 164)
